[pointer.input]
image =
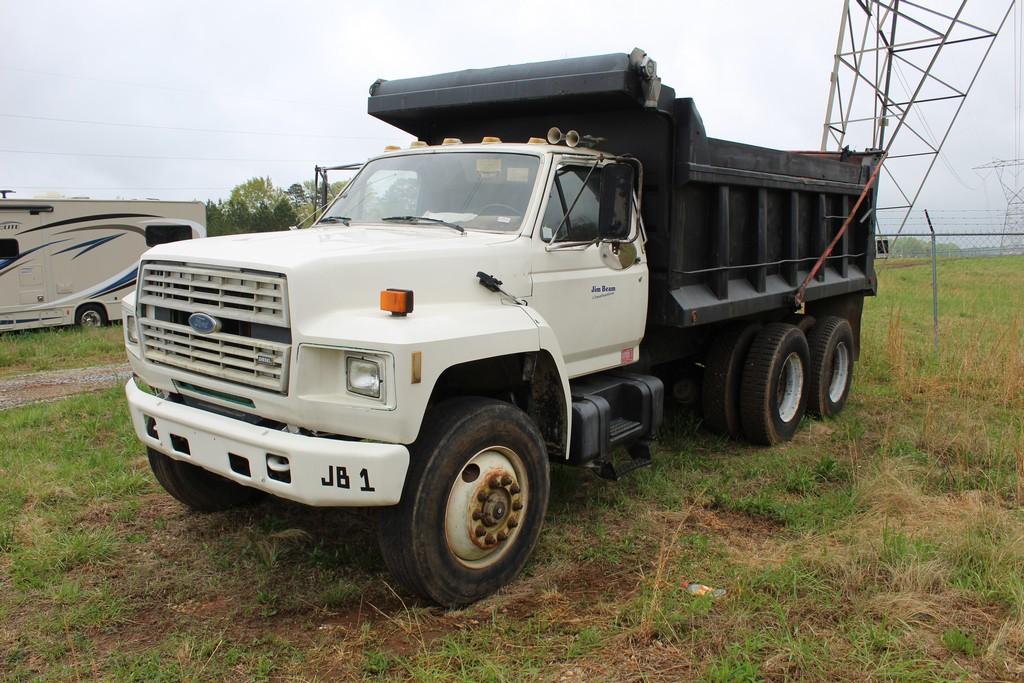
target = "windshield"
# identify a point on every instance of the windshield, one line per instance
(474, 190)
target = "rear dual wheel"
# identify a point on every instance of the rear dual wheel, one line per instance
(723, 378)
(773, 395)
(831, 370)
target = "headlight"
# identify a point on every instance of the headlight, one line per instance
(130, 329)
(364, 376)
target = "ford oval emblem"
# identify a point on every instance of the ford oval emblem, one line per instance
(203, 324)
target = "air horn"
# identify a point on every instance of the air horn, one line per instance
(572, 138)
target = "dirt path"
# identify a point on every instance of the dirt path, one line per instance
(56, 384)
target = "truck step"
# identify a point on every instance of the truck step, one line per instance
(614, 410)
(639, 454)
(621, 428)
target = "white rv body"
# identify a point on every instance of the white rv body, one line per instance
(60, 255)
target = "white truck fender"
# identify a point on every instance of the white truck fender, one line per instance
(443, 336)
(549, 342)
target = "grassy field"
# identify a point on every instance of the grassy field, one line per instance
(885, 545)
(57, 348)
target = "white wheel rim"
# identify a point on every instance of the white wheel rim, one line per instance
(489, 494)
(791, 387)
(91, 319)
(840, 372)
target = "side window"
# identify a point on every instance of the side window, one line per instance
(580, 225)
(162, 234)
(9, 248)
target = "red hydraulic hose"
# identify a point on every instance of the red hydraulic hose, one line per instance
(802, 290)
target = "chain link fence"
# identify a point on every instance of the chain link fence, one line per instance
(967, 236)
(920, 245)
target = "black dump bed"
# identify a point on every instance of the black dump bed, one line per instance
(733, 229)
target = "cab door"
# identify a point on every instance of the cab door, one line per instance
(594, 302)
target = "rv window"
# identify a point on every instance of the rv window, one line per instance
(8, 248)
(162, 234)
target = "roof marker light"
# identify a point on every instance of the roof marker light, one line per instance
(536, 141)
(490, 140)
(417, 143)
(392, 148)
(451, 141)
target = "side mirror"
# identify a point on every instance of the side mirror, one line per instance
(616, 211)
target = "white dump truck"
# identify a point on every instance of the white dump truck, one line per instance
(497, 297)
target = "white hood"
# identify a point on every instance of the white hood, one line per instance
(346, 267)
(284, 250)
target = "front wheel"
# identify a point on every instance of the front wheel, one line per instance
(473, 503)
(91, 315)
(195, 487)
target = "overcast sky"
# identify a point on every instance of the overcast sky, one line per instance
(208, 94)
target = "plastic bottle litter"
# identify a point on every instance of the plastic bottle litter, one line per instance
(695, 588)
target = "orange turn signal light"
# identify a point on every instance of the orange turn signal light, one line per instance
(396, 301)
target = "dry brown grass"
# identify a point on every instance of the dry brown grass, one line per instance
(1019, 460)
(896, 346)
(910, 554)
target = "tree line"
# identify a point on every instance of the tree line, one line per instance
(257, 205)
(913, 247)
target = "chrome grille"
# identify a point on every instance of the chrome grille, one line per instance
(250, 305)
(253, 297)
(255, 362)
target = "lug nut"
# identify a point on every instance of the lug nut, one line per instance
(480, 531)
(517, 505)
(513, 522)
(482, 496)
(502, 535)
(515, 489)
(506, 480)
(490, 540)
(477, 515)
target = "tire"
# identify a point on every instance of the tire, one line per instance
(195, 487)
(831, 346)
(774, 392)
(91, 315)
(802, 320)
(723, 375)
(430, 540)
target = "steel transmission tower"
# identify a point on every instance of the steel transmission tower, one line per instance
(900, 65)
(1008, 172)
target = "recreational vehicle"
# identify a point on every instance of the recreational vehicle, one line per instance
(69, 261)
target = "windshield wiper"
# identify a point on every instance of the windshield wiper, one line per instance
(424, 219)
(344, 220)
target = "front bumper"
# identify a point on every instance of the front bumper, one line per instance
(322, 472)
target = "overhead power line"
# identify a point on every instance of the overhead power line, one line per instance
(122, 124)
(162, 158)
(117, 187)
(1008, 173)
(153, 86)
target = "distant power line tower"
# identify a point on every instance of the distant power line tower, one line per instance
(1008, 173)
(901, 65)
